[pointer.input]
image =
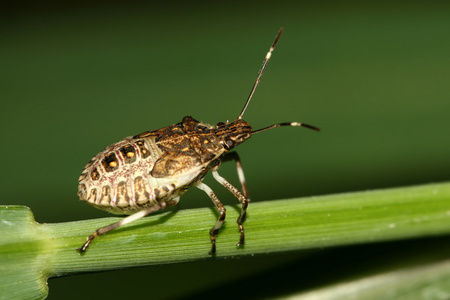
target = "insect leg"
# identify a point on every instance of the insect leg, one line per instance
(129, 219)
(222, 213)
(243, 199)
(235, 156)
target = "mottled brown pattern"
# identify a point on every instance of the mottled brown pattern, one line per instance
(233, 133)
(115, 186)
(123, 170)
(95, 175)
(141, 194)
(82, 191)
(110, 162)
(93, 195)
(122, 197)
(144, 151)
(82, 177)
(105, 198)
(186, 145)
(153, 133)
(174, 164)
(128, 153)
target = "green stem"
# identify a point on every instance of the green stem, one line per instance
(30, 253)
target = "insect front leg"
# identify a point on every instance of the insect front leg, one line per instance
(234, 156)
(222, 213)
(129, 219)
(240, 197)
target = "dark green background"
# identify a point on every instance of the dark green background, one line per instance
(374, 77)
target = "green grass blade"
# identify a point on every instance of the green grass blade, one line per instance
(429, 281)
(22, 260)
(34, 252)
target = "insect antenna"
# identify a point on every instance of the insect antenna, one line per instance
(293, 124)
(261, 71)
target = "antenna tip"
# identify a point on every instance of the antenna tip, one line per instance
(304, 125)
(311, 127)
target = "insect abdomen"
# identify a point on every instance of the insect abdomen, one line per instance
(118, 180)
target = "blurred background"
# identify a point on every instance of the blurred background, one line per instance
(375, 77)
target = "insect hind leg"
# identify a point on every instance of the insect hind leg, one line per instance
(222, 213)
(129, 219)
(243, 199)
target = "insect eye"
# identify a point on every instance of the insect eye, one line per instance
(228, 144)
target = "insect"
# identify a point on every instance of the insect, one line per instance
(150, 171)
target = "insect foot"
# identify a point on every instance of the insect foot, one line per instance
(150, 171)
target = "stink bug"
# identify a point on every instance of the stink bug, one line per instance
(150, 171)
